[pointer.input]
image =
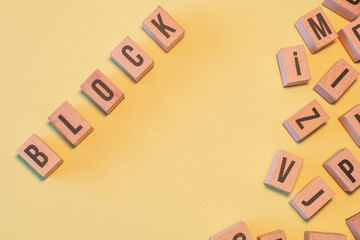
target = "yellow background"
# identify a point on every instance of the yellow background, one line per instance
(186, 153)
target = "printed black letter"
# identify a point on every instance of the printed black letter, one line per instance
(35, 156)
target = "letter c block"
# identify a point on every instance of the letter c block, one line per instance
(132, 59)
(40, 156)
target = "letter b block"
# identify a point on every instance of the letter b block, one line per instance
(238, 231)
(163, 29)
(306, 120)
(284, 170)
(316, 30)
(312, 198)
(40, 156)
(345, 169)
(349, 36)
(132, 59)
(348, 9)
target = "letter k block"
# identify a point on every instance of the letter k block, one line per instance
(163, 29)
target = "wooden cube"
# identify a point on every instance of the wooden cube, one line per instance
(351, 122)
(306, 120)
(345, 169)
(316, 30)
(348, 9)
(293, 65)
(354, 225)
(70, 123)
(336, 81)
(132, 59)
(102, 91)
(310, 235)
(163, 29)
(312, 198)
(276, 235)
(349, 36)
(40, 156)
(284, 170)
(237, 231)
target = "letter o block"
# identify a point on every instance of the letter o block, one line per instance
(316, 30)
(238, 231)
(132, 59)
(40, 156)
(348, 9)
(349, 37)
(345, 169)
(102, 91)
(312, 198)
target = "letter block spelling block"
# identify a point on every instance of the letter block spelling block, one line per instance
(102, 91)
(312, 198)
(345, 169)
(309, 235)
(354, 225)
(306, 120)
(40, 156)
(336, 81)
(284, 170)
(349, 36)
(70, 123)
(316, 30)
(132, 59)
(348, 9)
(351, 122)
(163, 29)
(276, 235)
(237, 231)
(293, 65)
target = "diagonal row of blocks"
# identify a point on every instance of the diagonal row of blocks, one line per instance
(133, 60)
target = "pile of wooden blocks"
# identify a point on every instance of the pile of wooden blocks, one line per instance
(133, 60)
(317, 32)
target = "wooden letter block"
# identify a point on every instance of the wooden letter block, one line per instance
(276, 235)
(345, 169)
(316, 30)
(351, 122)
(102, 91)
(354, 225)
(284, 170)
(306, 120)
(312, 198)
(163, 29)
(349, 36)
(310, 235)
(336, 81)
(238, 231)
(293, 65)
(70, 123)
(348, 9)
(40, 156)
(132, 59)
